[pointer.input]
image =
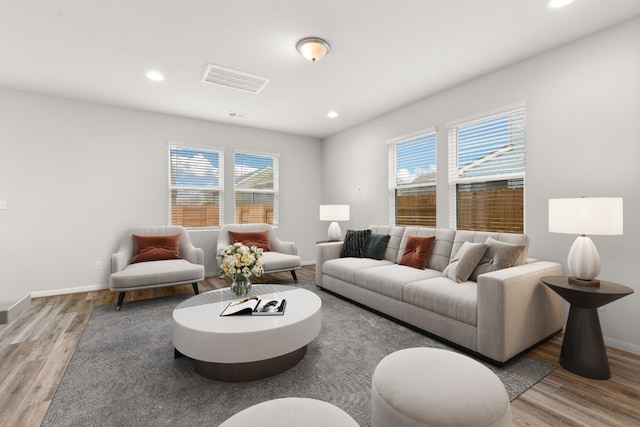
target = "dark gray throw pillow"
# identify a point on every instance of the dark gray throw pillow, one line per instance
(376, 246)
(354, 243)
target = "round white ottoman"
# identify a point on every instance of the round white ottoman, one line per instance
(291, 412)
(433, 387)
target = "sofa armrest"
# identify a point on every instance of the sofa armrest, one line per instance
(516, 310)
(325, 252)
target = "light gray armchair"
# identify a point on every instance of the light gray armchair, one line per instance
(128, 276)
(283, 256)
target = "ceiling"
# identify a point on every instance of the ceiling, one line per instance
(384, 54)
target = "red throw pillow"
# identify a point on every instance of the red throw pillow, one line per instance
(156, 248)
(259, 239)
(417, 251)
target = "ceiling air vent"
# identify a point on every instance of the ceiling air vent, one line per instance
(234, 79)
(240, 116)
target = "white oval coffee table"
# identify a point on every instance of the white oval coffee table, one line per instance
(245, 347)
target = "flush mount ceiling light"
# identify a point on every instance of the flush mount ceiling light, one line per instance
(556, 4)
(332, 114)
(313, 48)
(154, 75)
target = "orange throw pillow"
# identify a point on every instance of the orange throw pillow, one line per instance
(259, 239)
(156, 248)
(417, 251)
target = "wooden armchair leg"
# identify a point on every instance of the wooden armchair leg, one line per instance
(120, 300)
(293, 274)
(195, 287)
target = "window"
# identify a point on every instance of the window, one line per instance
(487, 171)
(412, 180)
(256, 188)
(196, 186)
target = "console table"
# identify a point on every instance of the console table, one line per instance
(583, 351)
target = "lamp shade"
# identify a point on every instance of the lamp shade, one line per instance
(586, 215)
(334, 212)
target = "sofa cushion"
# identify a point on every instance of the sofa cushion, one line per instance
(161, 273)
(354, 243)
(441, 295)
(499, 255)
(465, 261)
(259, 239)
(376, 246)
(417, 251)
(155, 247)
(345, 269)
(389, 280)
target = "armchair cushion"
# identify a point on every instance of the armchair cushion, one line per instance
(156, 248)
(156, 273)
(259, 239)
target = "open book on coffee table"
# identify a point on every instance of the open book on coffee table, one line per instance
(256, 307)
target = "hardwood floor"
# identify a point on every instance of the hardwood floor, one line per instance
(36, 348)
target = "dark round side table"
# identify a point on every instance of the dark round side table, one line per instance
(583, 351)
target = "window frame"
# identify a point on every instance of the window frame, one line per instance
(515, 115)
(214, 189)
(393, 185)
(275, 192)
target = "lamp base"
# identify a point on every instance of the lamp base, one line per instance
(334, 233)
(580, 282)
(583, 261)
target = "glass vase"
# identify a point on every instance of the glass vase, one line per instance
(240, 285)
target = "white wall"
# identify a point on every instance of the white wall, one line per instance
(76, 175)
(583, 139)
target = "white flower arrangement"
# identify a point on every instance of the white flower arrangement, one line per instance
(239, 261)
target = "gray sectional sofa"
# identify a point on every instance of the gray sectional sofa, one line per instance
(502, 314)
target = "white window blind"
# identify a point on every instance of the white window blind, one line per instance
(487, 172)
(196, 186)
(256, 178)
(412, 179)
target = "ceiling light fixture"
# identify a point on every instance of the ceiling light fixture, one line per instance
(556, 4)
(332, 114)
(313, 48)
(155, 76)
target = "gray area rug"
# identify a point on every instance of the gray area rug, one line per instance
(123, 372)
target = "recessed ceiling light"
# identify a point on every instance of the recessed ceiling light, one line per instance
(155, 76)
(332, 114)
(556, 4)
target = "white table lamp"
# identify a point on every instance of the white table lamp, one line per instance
(585, 215)
(334, 213)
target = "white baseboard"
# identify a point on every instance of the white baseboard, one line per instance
(12, 310)
(622, 345)
(63, 291)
